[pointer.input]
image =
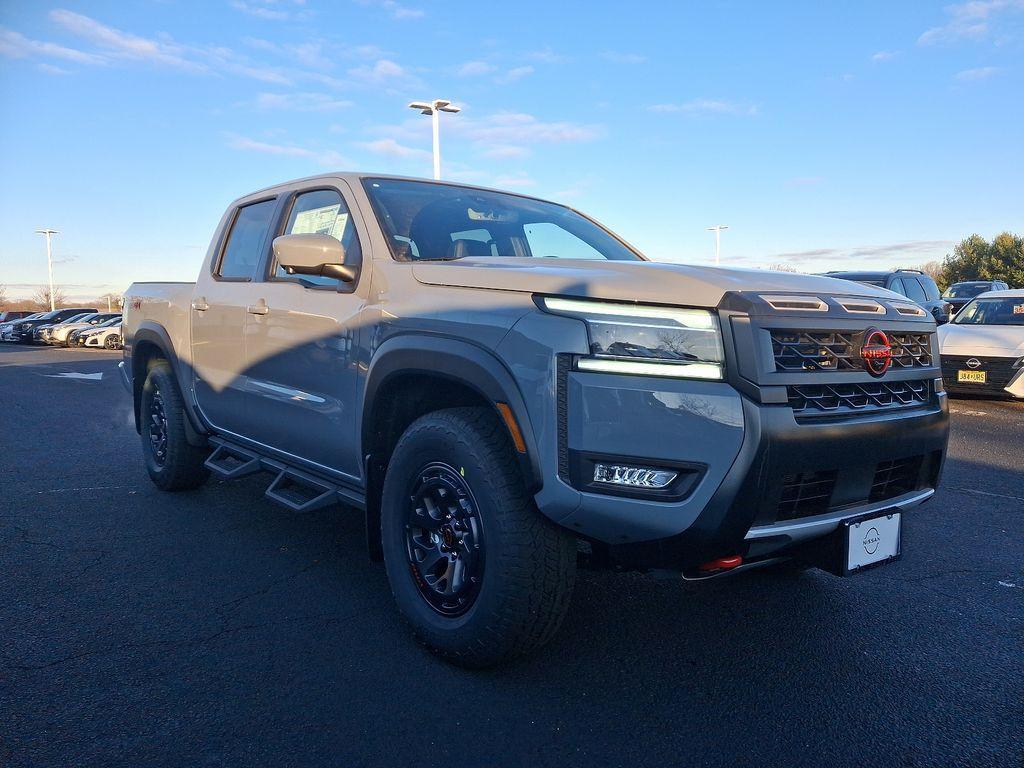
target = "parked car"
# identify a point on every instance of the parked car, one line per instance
(23, 329)
(498, 382)
(76, 337)
(959, 294)
(42, 333)
(983, 348)
(13, 314)
(912, 283)
(59, 333)
(108, 337)
(7, 327)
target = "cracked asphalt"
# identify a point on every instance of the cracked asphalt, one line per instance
(215, 628)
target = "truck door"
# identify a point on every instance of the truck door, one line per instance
(301, 341)
(219, 312)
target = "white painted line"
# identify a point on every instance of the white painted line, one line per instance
(72, 375)
(87, 488)
(988, 493)
(1008, 584)
(968, 412)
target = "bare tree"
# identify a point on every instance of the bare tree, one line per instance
(42, 297)
(780, 267)
(931, 268)
(3, 296)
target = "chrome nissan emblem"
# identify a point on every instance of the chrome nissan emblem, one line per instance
(974, 363)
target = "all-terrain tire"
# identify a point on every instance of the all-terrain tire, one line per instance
(528, 564)
(172, 462)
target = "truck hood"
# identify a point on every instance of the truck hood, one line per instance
(983, 340)
(640, 281)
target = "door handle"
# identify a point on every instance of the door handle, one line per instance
(200, 305)
(258, 309)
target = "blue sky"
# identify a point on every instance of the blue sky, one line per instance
(825, 135)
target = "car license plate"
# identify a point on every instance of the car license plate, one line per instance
(978, 377)
(872, 541)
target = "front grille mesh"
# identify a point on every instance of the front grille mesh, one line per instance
(816, 399)
(895, 477)
(805, 494)
(998, 372)
(840, 350)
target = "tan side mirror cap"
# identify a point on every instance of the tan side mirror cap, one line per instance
(319, 255)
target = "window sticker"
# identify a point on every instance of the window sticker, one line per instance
(321, 221)
(1018, 309)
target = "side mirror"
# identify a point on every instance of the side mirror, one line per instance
(319, 255)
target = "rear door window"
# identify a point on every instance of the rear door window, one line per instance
(931, 290)
(246, 240)
(897, 285)
(914, 290)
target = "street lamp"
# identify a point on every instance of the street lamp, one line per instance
(432, 108)
(717, 229)
(49, 260)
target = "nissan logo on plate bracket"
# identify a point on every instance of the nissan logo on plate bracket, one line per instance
(876, 352)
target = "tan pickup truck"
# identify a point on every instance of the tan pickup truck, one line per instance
(506, 389)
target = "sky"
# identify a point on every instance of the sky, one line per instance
(825, 135)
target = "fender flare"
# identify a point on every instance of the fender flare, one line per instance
(155, 334)
(460, 361)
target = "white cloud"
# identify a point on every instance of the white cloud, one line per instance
(16, 46)
(473, 68)
(972, 20)
(516, 128)
(327, 158)
(272, 10)
(706, 107)
(391, 148)
(883, 56)
(978, 73)
(301, 102)
(383, 72)
(516, 73)
(502, 151)
(51, 69)
(395, 9)
(619, 57)
(514, 181)
(880, 254)
(124, 44)
(545, 55)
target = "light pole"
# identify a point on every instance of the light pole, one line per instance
(433, 108)
(717, 229)
(49, 260)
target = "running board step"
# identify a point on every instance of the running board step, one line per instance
(301, 492)
(229, 462)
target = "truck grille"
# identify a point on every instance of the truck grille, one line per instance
(805, 494)
(809, 400)
(998, 373)
(840, 350)
(895, 477)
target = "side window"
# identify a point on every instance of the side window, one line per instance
(549, 240)
(931, 290)
(897, 285)
(321, 212)
(914, 290)
(242, 250)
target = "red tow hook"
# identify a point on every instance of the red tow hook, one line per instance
(722, 564)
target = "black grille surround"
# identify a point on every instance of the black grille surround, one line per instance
(820, 400)
(839, 350)
(998, 370)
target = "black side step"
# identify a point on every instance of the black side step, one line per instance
(301, 492)
(297, 490)
(230, 462)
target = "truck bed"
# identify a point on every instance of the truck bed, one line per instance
(165, 304)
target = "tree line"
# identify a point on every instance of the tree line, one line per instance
(40, 301)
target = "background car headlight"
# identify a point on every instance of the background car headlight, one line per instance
(646, 339)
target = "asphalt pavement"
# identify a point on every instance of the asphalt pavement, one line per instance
(215, 628)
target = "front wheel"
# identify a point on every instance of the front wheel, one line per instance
(480, 575)
(172, 462)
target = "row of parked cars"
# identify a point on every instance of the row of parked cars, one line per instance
(73, 327)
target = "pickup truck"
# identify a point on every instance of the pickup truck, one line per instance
(507, 390)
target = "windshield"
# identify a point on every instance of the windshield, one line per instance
(993, 311)
(432, 222)
(965, 290)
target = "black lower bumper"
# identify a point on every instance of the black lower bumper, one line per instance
(788, 472)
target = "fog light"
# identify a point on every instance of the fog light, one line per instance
(632, 477)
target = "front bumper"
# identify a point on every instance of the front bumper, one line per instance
(772, 461)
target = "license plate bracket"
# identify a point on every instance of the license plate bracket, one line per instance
(870, 541)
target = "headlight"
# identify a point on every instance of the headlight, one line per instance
(646, 339)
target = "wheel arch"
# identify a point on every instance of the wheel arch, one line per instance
(412, 375)
(150, 342)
